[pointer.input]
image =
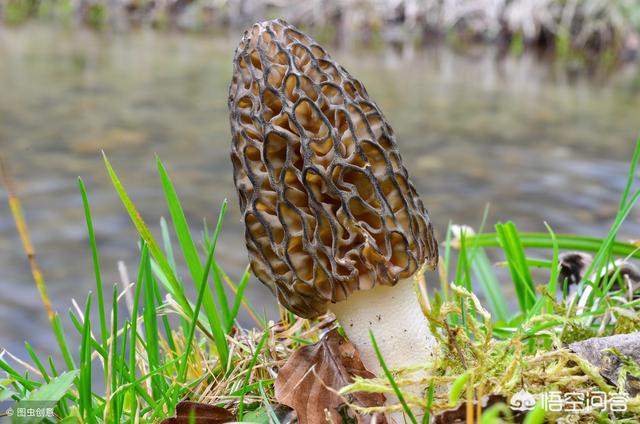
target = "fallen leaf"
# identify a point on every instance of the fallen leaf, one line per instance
(309, 380)
(202, 413)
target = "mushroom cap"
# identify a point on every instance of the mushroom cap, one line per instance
(325, 198)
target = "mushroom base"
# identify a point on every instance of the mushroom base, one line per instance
(400, 328)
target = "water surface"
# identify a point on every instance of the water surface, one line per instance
(534, 141)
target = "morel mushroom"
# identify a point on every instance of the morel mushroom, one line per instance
(332, 220)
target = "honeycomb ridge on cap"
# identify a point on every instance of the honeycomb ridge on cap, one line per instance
(326, 200)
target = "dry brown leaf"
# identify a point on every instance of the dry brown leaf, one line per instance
(203, 414)
(311, 377)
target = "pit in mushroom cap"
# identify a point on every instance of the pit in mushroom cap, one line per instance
(326, 200)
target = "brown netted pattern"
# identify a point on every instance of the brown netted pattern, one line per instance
(327, 202)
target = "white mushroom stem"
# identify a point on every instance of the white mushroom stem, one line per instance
(398, 324)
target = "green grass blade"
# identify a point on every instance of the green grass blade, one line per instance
(122, 372)
(84, 388)
(531, 263)
(552, 286)
(152, 336)
(247, 376)
(206, 236)
(516, 259)
(260, 320)
(239, 297)
(61, 338)
(267, 403)
(55, 389)
(112, 370)
(162, 278)
(458, 386)
(426, 418)
(564, 242)
(96, 262)
(494, 413)
(633, 167)
(393, 383)
(79, 326)
(444, 283)
(217, 271)
(37, 362)
(166, 243)
(221, 295)
(488, 280)
(536, 416)
(463, 270)
(462, 278)
(165, 320)
(482, 269)
(53, 368)
(518, 250)
(604, 256)
(188, 247)
(133, 336)
(249, 388)
(219, 336)
(28, 384)
(177, 290)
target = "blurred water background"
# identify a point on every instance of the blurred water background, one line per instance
(538, 140)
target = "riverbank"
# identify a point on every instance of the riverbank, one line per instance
(591, 30)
